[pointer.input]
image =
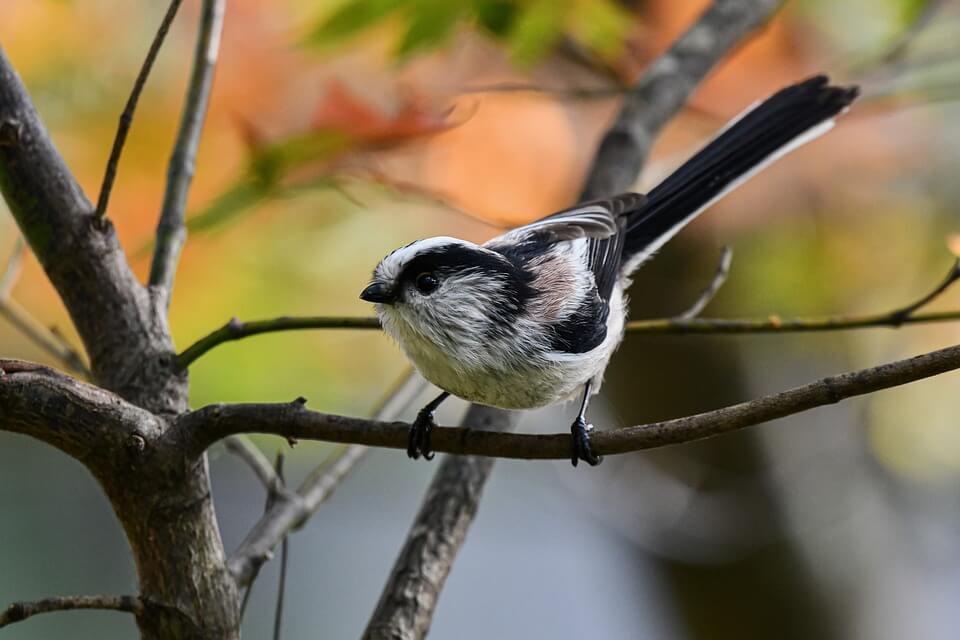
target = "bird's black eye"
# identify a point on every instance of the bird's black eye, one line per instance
(427, 283)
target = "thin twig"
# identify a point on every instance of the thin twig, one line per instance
(243, 448)
(894, 53)
(284, 554)
(289, 514)
(12, 271)
(655, 326)
(719, 278)
(126, 118)
(276, 491)
(43, 337)
(236, 330)
(22, 610)
(29, 326)
(171, 230)
(952, 276)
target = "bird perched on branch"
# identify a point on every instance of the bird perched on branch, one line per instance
(532, 317)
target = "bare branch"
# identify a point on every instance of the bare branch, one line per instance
(719, 278)
(12, 271)
(657, 326)
(291, 510)
(409, 598)
(128, 346)
(171, 230)
(236, 330)
(22, 610)
(284, 557)
(894, 53)
(29, 326)
(664, 89)
(952, 276)
(43, 337)
(241, 447)
(126, 118)
(776, 324)
(293, 420)
(85, 421)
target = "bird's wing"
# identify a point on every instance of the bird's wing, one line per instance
(597, 219)
(604, 259)
(601, 222)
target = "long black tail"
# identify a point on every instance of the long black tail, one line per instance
(786, 120)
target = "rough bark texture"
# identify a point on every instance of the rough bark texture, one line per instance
(410, 597)
(162, 501)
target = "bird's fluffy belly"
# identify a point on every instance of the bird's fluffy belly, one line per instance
(505, 387)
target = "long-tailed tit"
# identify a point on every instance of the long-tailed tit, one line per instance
(534, 315)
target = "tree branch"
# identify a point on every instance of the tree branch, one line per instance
(235, 330)
(657, 326)
(241, 447)
(22, 610)
(126, 118)
(952, 276)
(85, 421)
(171, 230)
(664, 89)
(719, 278)
(292, 420)
(292, 509)
(12, 272)
(29, 326)
(284, 557)
(409, 598)
(129, 347)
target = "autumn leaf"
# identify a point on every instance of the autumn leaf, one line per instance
(342, 125)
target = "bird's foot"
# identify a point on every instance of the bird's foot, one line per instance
(580, 443)
(418, 443)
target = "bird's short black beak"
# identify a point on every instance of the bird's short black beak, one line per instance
(378, 292)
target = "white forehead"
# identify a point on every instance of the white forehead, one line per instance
(391, 266)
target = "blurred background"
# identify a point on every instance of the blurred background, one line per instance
(338, 132)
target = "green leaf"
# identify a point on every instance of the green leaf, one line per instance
(352, 18)
(601, 26)
(496, 16)
(431, 22)
(537, 30)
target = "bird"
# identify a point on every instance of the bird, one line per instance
(533, 316)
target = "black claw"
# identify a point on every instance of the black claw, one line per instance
(418, 443)
(580, 444)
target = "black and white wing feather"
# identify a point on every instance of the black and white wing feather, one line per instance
(601, 222)
(598, 219)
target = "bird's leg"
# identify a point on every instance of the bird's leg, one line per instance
(580, 433)
(419, 441)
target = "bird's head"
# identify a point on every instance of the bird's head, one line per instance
(446, 291)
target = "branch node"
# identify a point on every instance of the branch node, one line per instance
(10, 131)
(136, 444)
(711, 290)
